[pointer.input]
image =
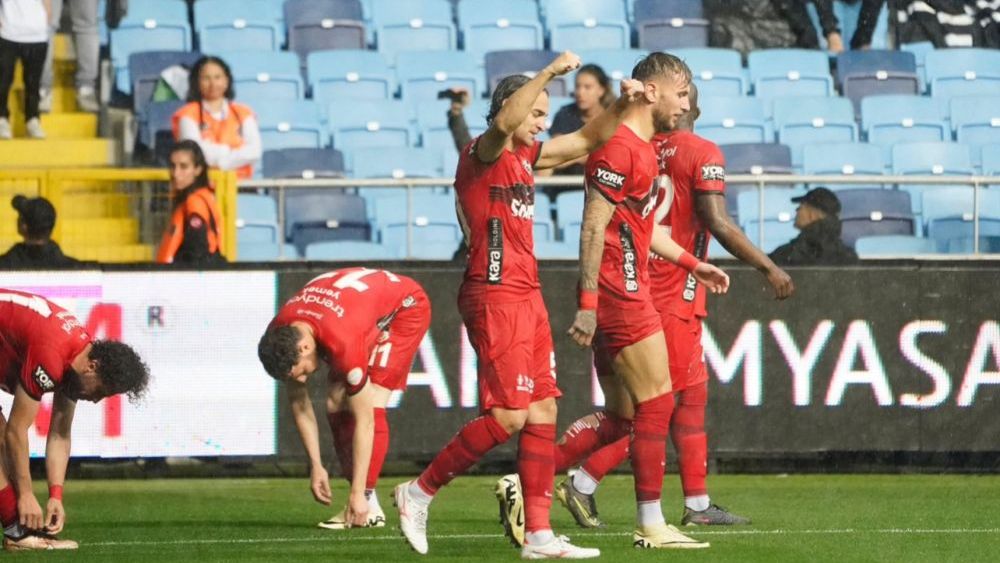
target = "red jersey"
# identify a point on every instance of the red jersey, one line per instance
(624, 172)
(497, 210)
(348, 310)
(38, 341)
(694, 165)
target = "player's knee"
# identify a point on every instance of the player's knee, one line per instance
(511, 420)
(543, 412)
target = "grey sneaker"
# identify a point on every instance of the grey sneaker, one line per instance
(86, 99)
(5, 131)
(582, 507)
(44, 100)
(34, 128)
(714, 515)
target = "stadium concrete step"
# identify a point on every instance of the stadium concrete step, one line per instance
(63, 125)
(96, 206)
(31, 153)
(110, 253)
(97, 232)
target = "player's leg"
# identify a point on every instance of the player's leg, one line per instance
(598, 429)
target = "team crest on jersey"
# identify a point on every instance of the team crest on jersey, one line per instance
(408, 301)
(526, 165)
(713, 172)
(44, 381)
(609, 178)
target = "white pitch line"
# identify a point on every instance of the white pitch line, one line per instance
(347, 536)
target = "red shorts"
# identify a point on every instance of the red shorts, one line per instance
(392, 357)
(687, 360)
(513, 343)
(618, 328)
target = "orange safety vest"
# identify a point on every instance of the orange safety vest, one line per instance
(225, 132)
(194, 234)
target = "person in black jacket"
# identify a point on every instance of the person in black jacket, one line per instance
(35, 220)
(819, 243)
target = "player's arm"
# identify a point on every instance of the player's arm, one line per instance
(597, 213)
(362, 406)
(566, 148)
(22, 416)
(305, 422)
(517, 107)
(57, 451)
(711, 209)
(708, 275)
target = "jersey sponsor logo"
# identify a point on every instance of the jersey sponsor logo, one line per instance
(520, 198)
(525, 384)
(690, 283)
(308, 313)
(629, 259)
(609, 178)
(44, 381)
(711, 172)
(494, 251)
(313, 295)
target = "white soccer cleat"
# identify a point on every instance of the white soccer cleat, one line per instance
(37, 541)
(511, 500)
(664, 536)
(376, 519)
(558, 548)
(412, 518)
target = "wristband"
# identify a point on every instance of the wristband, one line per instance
(688, 261)
(588, 299)
(55, 492)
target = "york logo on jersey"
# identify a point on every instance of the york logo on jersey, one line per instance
(629, 271)
(494, 251)
(609, 178)
(711, 172)
(43, 380)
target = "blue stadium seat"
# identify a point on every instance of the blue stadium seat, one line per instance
(888, 120)
(617, 63)
(813, 120)
(396, 162)
(433, 220)
(734, 120)
(976, 120)
(716, 72)
(991, 159)
(422, 74)
(488, 25)
(350, 250)
(569, 215)
(845, 159)
(753, 158)
(963, 72)
(875, 212)
(319, 25)
(893, 245)
(369, 124)
(264, 251)
(948, 159)
(263, 75)
(144, 68)
(500, 64)
(321, 215)
(250, 24)
(149, 26)
(433, 125)
(158, 122)
(544, 230)
(256, 219)
(288, 124)
(668, 24)
(587, 24)
(406, 25)
(348, 73)
(789, 72)
(868, 73)
(776, 233)
(778, 207)
(307, 163)
(556, 250)
(948, 213)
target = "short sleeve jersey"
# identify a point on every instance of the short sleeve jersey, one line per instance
(624, 172)
(38, 341)
(348, 310)
(496, 204)
(693, 165)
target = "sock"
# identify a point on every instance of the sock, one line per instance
(601, 462)
(536, 468)
(687, 430)
(698, 503)
(471, 443)
(380, 446)
(650, 513)
(418, 494)
(540, 537)
(342, 428)
(649, 452)
(588, 434)
(584, 483)
(8, 506)
(372, 497)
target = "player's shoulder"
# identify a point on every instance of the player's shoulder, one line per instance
(706, 147)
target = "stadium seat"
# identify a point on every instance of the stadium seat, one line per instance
(868, 73)
(432, 123)
(149, 26)
(257, 219)
(288, 124)
(556, 250)
(668, 24)
(963, 72)
(569, 215)
(949, 217)
(617, 63)
(888, 120)
(789, 72)
(587, 24)
(144, 68)
(875, 212)
(734, 120)
(813, 120)
(776, 233)
(396, 162)
(264, 75)
(845, 159)
(250, 24)
(370, 124)
(264, 251)
(976, 120)
(321, 215)
(753, 158)
(433, 220)
(307, 163)
(544, 230)
(919, 50)
(318, 25)
(716, 72)
(931, 159)
(893, 245)
(422, 74)
(500, 64)
(158, 123)
(778, 207)
(349, 73)
(488, 25)
(350, 250)
(991, 160)
(407, 25)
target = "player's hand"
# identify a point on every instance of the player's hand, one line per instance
(584, 327)
(55, 516)
(781, 282)
(566, 62)
(711, 277)
(632, 89)
(357, 510)
(319, 484)
(461, 102)
(30, 512)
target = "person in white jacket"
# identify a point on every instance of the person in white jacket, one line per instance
(24, 36)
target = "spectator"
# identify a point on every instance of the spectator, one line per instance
(798, 19)
(35, 220)
(83, 15)
(226, 130)
(591, 94)
(194, 234)
(24, 35)
(819, 243)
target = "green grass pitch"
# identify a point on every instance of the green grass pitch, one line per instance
(796, 518)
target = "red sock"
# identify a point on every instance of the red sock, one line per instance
(342, 428)
(8, 506)
(379, 448)
(687, 430)
(583, 437)
(471, 443)
(649, 446)
(601, 462)
(536, 468)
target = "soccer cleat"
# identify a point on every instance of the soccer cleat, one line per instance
(508, 491)
(663, 536)
(37, 541)
(558, 548)
(412, 518)
(583, 507)
(714, 515)
(376, 519)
